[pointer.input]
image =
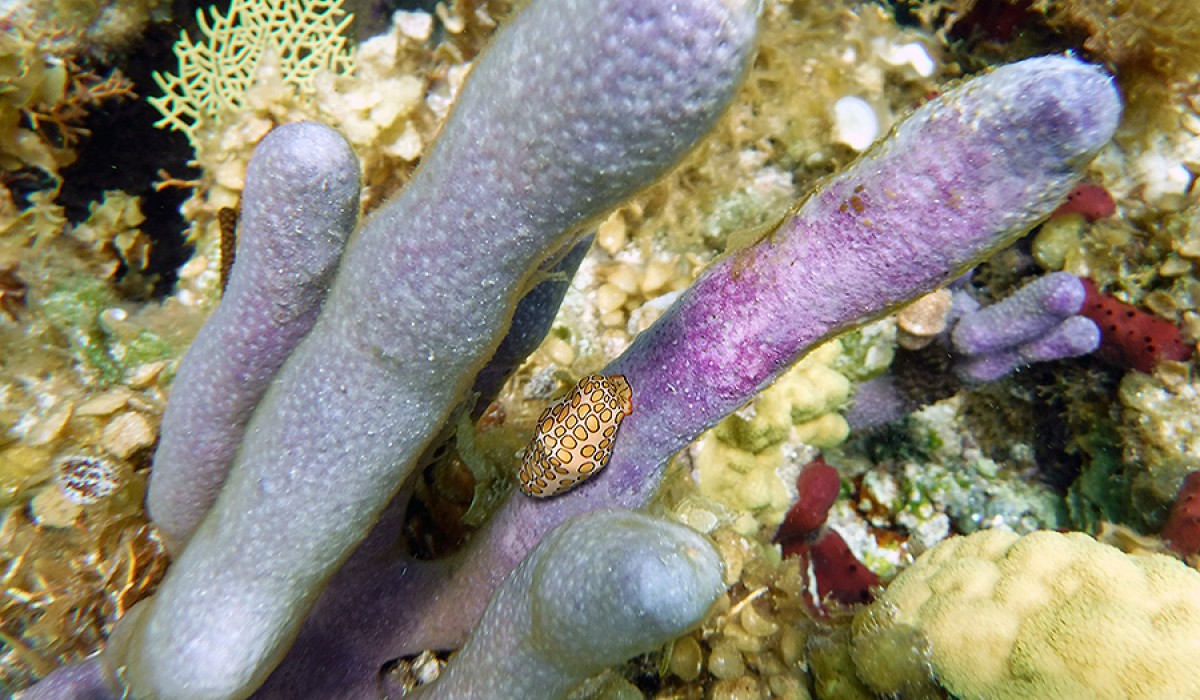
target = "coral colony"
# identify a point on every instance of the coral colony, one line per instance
(1000, 580)
(536, 148)
(714, 348)
(341, 357)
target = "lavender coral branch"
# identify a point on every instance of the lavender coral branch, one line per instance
(965, 175)
(1021, 317)
(598, 590)
(83, 681)
(577, 104)
(1037, 323)
(299, 206)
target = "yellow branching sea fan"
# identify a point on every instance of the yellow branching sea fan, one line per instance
(305, 36)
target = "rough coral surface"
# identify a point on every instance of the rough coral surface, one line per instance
(1046, 615)
(1036, 323)
(575, 107)
(891, 227)
(598, 590)
(301, 205)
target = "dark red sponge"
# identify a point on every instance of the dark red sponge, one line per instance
(819, 485)
(1089, 200)
(1130, 337)
(1182, 531)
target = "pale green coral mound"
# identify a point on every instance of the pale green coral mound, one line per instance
(1046, 615)
(303, 37)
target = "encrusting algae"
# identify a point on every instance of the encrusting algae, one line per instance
(87, 366)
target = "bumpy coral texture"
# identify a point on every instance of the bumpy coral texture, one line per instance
(739, 461)
(599, 589)
(1046, 615)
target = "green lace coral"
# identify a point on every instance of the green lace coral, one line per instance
(302, 36)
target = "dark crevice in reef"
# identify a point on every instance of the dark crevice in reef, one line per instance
(372, 17)
(125, 151)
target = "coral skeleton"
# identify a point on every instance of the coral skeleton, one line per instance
(987, 615)
(576, 106)
(884, 224)
(301, 199)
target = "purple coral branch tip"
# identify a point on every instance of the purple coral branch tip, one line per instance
(1074, 337)
(1023, 317)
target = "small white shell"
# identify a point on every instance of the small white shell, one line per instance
(855, 122)
(574, 437)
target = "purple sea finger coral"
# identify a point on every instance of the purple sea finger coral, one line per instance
(576, 105)
(298, 208)
(598, 590)
(1021, 317)
(965, 175)
(1073, 337)
(1037, 323)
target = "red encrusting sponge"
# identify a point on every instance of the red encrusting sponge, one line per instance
(1130, 337)
(832, 571)
(1182, 531)
(840, 576)
(819, 485)
(1089, 200)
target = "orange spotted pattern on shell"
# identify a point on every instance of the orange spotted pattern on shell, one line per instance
(574, 437)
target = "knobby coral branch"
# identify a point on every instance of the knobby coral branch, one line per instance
(602, 588)
(1037, 323)
(536, 147)
(577, 105)
(965, 175)
(301, 205)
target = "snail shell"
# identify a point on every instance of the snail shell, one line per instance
(574, 436)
